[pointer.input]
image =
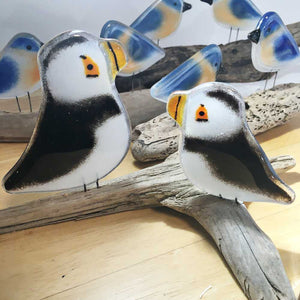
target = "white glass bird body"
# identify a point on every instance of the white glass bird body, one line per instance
(83, 131)
(218, 152)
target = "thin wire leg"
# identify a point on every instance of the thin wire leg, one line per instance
(18, 104)
(29, 100)
(239, 202)
(132, 83)
(275, 79)
(230, 35)
(265, 84)
(237, 34)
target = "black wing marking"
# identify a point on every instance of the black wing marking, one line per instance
(63, 139)
(237, 162)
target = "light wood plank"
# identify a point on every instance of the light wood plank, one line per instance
(36, 261)
(161, 277)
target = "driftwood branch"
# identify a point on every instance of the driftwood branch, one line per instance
(248, 251)
(253, 259)
(145, 188)
(237, 64)
(16, 127)
(158, 138)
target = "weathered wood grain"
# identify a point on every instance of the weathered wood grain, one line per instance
(249, 252)
(16, 127)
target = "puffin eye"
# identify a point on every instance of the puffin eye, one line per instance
(201, 114)
(268, 29)
(175, 3)
(216, 64)
(28, 47)
(91, 69)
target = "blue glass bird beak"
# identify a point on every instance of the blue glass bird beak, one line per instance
(210, 2)
(186, 6)
(254, 36)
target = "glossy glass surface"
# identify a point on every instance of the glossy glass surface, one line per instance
(273, 46)
(201, 67)
(237, 14)
(19, 72)
(218, 152)
(142, 53)
(83, 131)
(161, 18)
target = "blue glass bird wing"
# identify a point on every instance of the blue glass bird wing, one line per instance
(160, 19)
(274, 48)
(237, 14)
(201, 67)
(150, 20)
(19, 72)
(286, 48)
(9, 74)
(244, 9)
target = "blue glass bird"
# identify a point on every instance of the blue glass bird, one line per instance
(273, 46)
(161, 18)
(235, 14)
(141, 51)
(201, 67)
(19, 74)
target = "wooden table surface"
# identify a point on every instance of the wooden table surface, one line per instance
(145, 254)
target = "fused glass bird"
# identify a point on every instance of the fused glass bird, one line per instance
(235, 14)
(161, 18)
(19, 73)
(83, 130)
(142, 53)
(218, 152)
(201, 67)
(273, 46)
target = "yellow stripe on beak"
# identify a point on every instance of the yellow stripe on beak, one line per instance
(116, 55)
(176, 106)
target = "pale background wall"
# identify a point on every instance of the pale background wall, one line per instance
(46, 18)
